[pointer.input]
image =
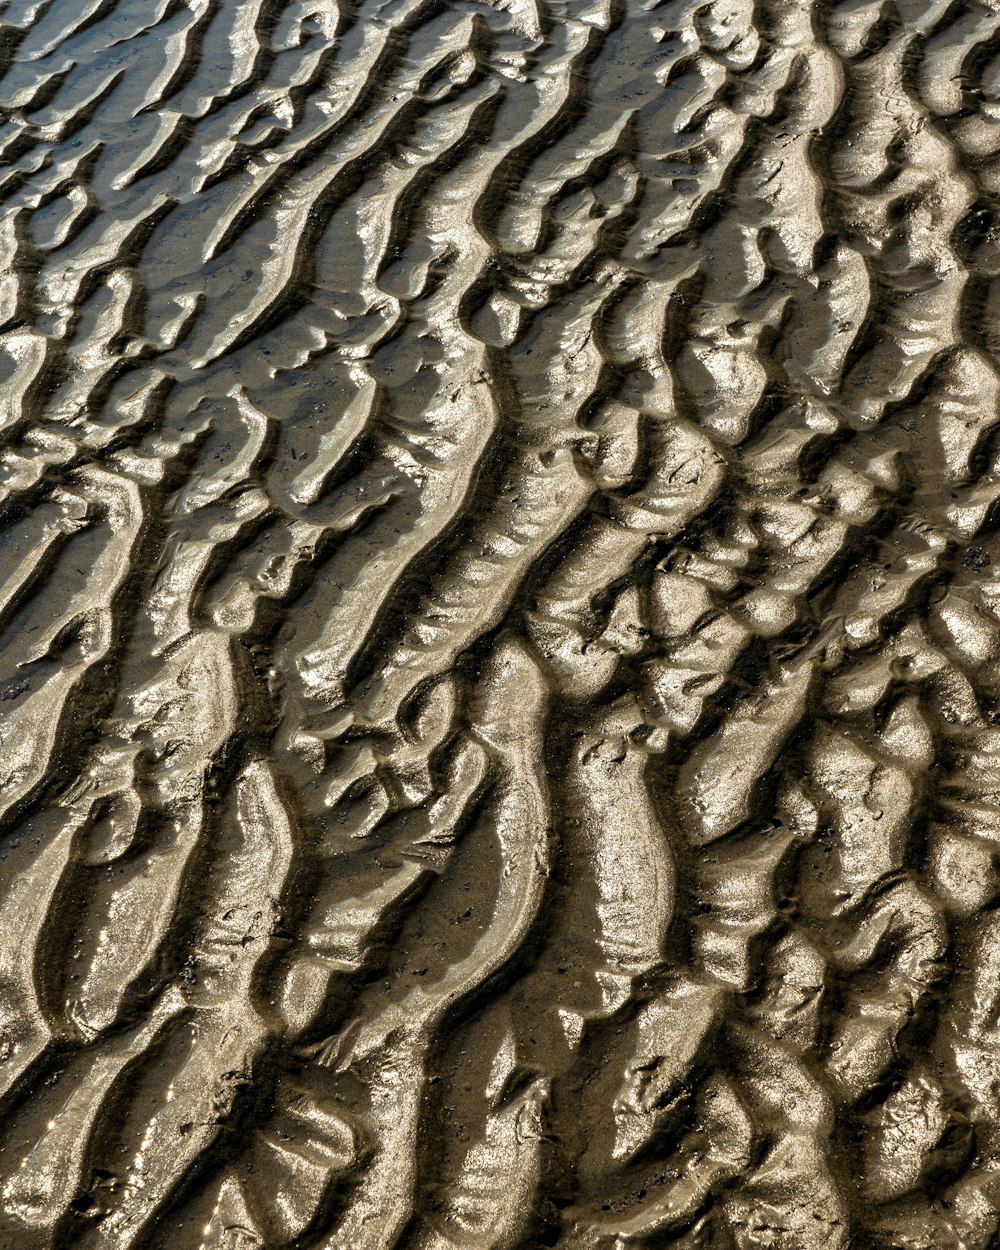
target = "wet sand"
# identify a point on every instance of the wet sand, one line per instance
(499, 624)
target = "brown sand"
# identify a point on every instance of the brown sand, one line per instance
(500, 637)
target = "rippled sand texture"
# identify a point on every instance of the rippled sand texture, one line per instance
(500, 637)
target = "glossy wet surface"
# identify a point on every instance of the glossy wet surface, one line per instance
(499, 624)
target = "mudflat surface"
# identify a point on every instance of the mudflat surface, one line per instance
(499, 625)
